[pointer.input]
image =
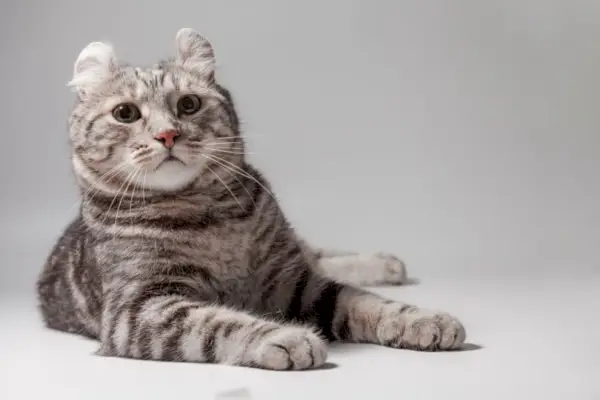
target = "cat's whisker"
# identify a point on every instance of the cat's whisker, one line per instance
(243, 186)
(246, 135)
(135, 184)
(228, 144)
(230, 137)
(113, 171)
(116, 195)
(224, 144)
(130, 179)
(231, 172)
(239, 153)
(226, 187)
(220, 140)
(222, 149)
(230, 148)
(144, 187)
(237, 170)
(226, 148)
(91, 198)
(213, 143)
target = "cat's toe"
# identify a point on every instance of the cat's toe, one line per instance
(292, 348)
(423, 333)
(421, 329)
(429, 330)
(453, 332)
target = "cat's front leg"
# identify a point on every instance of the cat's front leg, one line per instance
(162, 320)
(348, 313)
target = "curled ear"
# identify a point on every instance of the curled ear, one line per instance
(195, 53)
(95, 64)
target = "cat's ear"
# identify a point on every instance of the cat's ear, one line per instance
(195, 53)
(95, 64)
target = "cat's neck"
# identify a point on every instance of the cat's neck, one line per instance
(196, 198)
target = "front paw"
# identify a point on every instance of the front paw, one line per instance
(291, 348)
(420, 329)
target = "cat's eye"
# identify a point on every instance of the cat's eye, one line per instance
(126, 113)
(188, 104)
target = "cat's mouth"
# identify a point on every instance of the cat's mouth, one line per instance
(170, 159)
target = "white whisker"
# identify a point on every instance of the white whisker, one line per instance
(221, 144)
(223, 141)
(226, 187)
(116, 195)
(112, 172)
(239, 153)
(132, 196)
(130, 179)
(144, 187)
(241, 184)
(238, 170)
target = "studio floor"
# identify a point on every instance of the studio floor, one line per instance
(526, 340)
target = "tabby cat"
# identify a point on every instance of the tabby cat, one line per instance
(180, 251)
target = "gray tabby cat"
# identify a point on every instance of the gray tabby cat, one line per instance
(181, 252)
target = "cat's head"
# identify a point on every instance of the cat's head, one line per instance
(164, 128)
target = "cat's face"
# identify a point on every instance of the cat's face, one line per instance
(162, 128)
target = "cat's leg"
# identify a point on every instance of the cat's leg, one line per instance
(165, 321)
(364, 269)
(323, 252)
(69, 288)
(357, 268)
(347, 313)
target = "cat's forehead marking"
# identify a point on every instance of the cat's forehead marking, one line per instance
(142, 83)
(166, 81)
(158, 74)
(151, 84)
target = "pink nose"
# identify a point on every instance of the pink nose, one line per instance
(167, 138)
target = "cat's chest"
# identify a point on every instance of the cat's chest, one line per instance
(221, 248)
(222, 253)
(225, 258)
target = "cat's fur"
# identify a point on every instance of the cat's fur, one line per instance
(193, 259)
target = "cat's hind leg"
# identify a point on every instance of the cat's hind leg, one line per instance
(69, 289)
(362, 269)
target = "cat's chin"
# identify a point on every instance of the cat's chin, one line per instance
(170, 176)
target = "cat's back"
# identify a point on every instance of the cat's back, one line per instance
(69, 286)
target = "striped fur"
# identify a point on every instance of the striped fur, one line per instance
(193, 259)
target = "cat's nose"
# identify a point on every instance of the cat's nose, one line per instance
(167, 138)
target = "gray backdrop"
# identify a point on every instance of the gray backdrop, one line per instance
(462, 135)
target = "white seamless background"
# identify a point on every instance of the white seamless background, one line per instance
(464, 136)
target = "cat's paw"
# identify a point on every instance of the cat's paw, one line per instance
(393, 269)
(420, 329)
(291, 348)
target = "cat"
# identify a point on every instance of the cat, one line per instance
(180, 250)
